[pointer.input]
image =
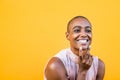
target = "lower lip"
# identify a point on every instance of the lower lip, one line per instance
(83, 44)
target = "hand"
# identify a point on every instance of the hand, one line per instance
(85, 60)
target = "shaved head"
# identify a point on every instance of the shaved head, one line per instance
(76, 17)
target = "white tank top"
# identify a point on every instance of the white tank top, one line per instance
(69, 60)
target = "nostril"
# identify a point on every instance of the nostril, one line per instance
(83, 35)
(87, 40)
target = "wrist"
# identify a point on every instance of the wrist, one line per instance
(81, 75)
(84, 72)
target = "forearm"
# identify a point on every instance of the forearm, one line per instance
(81, 75)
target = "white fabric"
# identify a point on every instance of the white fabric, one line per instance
(70, 61)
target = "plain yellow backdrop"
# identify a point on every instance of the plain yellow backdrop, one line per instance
(32, 31)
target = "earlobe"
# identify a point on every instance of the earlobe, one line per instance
(67, 35)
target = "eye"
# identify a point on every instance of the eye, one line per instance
(77, 30)
(88, 30)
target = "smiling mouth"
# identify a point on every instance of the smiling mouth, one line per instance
(82, 41)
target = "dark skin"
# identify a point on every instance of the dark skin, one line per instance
(79, 28)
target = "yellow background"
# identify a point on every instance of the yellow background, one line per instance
(32, 31)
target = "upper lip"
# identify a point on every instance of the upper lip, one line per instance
(82, 39)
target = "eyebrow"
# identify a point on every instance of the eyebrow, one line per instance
(80, 27)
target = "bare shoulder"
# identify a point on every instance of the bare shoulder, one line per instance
(101, 70)
(55, 69)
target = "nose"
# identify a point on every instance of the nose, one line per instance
(83, 33)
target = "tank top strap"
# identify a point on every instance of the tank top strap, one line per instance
(92, 72)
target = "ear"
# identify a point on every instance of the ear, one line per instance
(67, 35)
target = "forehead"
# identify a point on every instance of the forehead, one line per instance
(79, 22)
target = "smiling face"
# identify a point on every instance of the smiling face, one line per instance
(79, 33)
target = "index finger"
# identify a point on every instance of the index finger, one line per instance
(80, 53)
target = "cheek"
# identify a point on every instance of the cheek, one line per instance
(75, 36)
(90, 36)
(72, 36)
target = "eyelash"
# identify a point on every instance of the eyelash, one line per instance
(88, 31)
(78, 30)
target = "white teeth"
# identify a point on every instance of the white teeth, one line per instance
(82, 41)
